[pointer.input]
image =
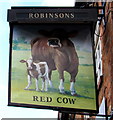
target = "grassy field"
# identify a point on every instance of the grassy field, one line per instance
(85, 85)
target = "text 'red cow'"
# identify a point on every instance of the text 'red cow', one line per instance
(59, 52)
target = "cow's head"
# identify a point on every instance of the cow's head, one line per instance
(54, 42)
(56, 36)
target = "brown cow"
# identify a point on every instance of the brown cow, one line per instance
(59, 52)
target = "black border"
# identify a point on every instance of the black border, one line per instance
(10, 63)
(61, 109)
(81, 14)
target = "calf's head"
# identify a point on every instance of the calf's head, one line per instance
(29, 63)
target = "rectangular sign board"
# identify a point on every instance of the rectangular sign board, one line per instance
(51, 15)
(52, 66)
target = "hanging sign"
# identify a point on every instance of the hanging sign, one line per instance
(51, 59)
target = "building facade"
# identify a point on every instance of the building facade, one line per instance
(103, 48)
(104, 58)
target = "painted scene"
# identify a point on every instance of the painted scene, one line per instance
(52, 65)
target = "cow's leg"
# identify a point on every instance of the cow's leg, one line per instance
(49, 79)
(72, 84)
(37, 87)
(29, 82)
(61, 86)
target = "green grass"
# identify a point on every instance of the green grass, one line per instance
(84, 84)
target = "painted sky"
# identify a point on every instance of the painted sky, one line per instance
(17, 112)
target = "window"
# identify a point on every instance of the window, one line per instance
(98, 53)
(98, 59)
(102, 110)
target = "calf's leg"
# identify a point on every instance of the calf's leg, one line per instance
(29, 82)
(43, 84)
(46, 83)
(37, 88)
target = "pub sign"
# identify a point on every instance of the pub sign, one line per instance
(52, 58)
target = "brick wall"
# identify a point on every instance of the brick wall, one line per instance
(107, 58)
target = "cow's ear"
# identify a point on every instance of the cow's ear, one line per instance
(22, 61)
(44, 33)
(72, 34)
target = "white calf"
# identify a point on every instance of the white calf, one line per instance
(36, 70)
